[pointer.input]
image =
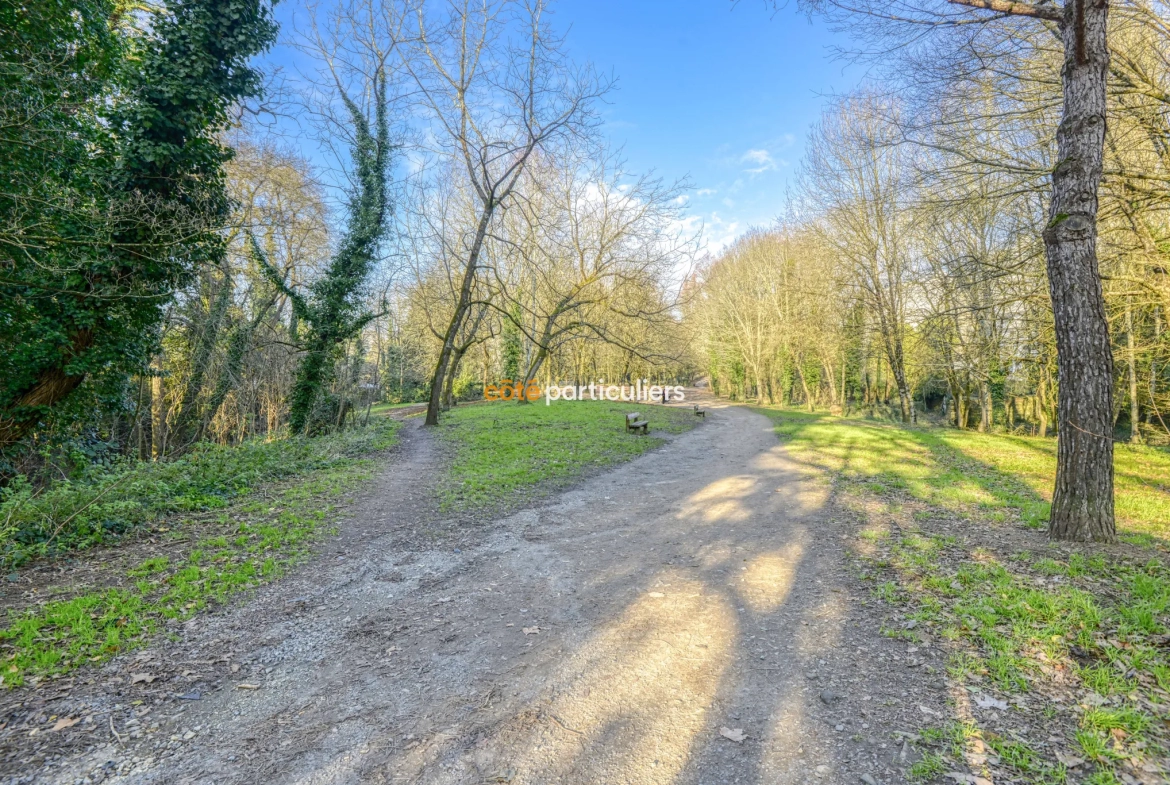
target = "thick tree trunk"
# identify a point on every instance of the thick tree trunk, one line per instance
(52, 386)
(1082, 502)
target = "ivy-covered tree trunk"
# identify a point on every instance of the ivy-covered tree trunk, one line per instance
(333, 310)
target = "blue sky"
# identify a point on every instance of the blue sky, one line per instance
(722, 94)
(717, 92)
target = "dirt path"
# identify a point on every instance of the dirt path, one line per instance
(610, 635)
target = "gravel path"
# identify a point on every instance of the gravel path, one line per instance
(688, 617)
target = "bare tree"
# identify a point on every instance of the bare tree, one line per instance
(588, 251)
(855, 176)
(497, 88)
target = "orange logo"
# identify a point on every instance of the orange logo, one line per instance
(507, 391)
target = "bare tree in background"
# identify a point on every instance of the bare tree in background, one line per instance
(855, 175)
(581, 254)
(492, 118)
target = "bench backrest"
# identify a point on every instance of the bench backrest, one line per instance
(633, 416)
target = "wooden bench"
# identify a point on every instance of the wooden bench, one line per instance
(700, 412)
(635, 423)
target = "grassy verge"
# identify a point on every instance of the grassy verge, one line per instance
(1058, 656)
(262, 504)
(504, 448)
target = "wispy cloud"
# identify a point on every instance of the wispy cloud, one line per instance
(705, 192)
(761, 160)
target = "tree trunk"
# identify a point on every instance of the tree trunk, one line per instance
(831, 375)
(803, 384)
(457, 318)
(984, 406)
(1082, 501)
(905, 402)
(145, 419)
(158, 416)
(449, 381)
(1135, 431)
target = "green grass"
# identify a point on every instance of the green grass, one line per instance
(974, 473)
(264, 529)
(105, 505)
(931, 765)
(504, 448)
(253, 510)
(1010, 619)
(386, 408)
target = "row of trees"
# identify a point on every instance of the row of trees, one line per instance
(924, 251)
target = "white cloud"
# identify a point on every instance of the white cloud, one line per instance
(719, 233)
(761, 159)
(705, 192)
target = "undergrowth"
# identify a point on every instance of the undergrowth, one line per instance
(99, 507)
(269, 500)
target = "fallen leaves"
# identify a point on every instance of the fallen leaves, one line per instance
(65, 722)
(142, 678)
(243, 686)
(734, 734)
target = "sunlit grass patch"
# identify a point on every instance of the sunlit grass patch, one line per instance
(504, 448)
(973, 473)
(1094, 625)
(1142, 474)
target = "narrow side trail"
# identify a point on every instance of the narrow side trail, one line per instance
(685, 618)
